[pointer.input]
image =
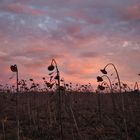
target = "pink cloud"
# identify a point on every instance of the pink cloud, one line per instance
(25, 9)
(132, 13)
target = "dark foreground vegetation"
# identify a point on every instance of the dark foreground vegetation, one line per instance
(84, 116)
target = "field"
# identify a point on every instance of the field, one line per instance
(77, 116)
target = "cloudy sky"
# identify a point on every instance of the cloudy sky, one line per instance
(82, 35)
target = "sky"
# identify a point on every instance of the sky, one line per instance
(81, 35)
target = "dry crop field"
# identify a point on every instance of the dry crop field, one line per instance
(84, 116)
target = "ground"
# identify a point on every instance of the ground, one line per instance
(77, 116)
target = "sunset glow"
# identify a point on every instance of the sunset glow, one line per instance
(82, 35)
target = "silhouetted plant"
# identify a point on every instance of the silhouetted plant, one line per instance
(1, 88)
(100, 87)
(125, 87)
(122, 96)
(51, 67)
(136, 87)
(31, 80)
(49, 85)
(15, 69)
(63, 85)
(100, 79)
(104, 71)
(44, 78)
(55, 75)
(34, 85)
(23, 86)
